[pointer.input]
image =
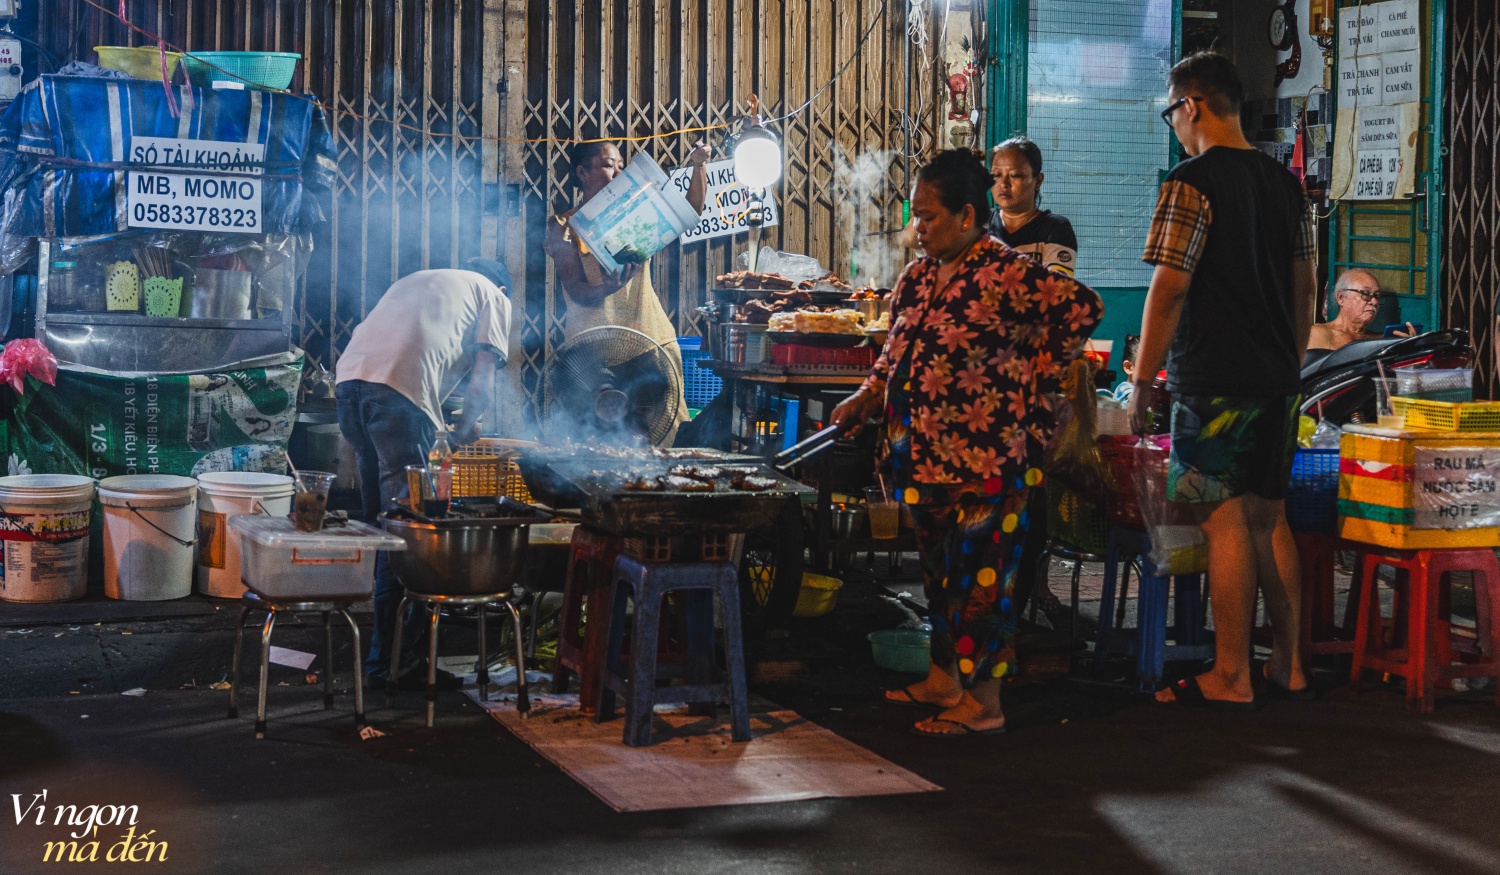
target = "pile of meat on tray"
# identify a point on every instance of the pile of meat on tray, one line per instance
(701, 478)
(774, 282)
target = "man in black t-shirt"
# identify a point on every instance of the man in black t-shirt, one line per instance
(1232, 292)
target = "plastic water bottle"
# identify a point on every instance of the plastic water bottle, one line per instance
(440, 462)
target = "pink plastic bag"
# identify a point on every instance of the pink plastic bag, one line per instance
(27, 357)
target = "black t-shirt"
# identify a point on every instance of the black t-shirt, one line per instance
(1237, 221)
(1047, 239)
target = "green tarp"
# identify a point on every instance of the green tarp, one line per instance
(101, 425)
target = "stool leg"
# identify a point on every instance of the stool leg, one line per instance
(234, 666)
(482, 668)
(1107, 604)
(1366, 615)
(394, 677)
(359, 674)
(568, 640)
(1421, 661)
(265, 674)
(327, 660)
(641, 694)
(437, 613)
(734, 657)
(1073, 614)
(1151, 631)
(614, 642)
(523, 700)
(699, 605)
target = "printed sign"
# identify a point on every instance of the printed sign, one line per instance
(1397, 28)
(724, 206)
(1400, 78)
(1454, 487)
(1358, 32)
(1375, 174)
(1359, 82)
(201, 200)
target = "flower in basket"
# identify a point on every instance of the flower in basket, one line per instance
(24, 358)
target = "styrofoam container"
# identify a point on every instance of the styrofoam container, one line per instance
(221, 495)
(278, 561)
(150, 528)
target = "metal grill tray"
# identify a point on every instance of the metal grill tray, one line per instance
(596, 485)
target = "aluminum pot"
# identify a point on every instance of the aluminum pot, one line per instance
(220, 294)
(458, 559)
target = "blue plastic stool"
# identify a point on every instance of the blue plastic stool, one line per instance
(1148, 641)
(647, 585)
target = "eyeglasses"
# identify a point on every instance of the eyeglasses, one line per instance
(1369, 296)
(1166, 114)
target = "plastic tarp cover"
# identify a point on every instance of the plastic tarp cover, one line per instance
(100, 425)
(65, 148)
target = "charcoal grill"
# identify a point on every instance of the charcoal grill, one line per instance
(595, 483)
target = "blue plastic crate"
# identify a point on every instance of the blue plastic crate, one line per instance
(699, 385)
(1312, 496)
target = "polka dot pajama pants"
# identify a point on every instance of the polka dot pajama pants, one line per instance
(970, 550)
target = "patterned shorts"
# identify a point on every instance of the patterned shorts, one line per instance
(1226, 447)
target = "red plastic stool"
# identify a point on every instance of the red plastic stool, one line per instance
(1320, 635)
(591, 562)
(1427, 654)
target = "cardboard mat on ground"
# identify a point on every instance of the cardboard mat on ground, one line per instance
(695, 765)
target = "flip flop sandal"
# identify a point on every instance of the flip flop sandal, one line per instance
(909, 701)
(1277, 691)
(967, 729)
(1188, 694)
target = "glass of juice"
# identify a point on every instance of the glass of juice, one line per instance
(884, 513)
(310, 502)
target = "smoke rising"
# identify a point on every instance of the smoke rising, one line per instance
(863, 186)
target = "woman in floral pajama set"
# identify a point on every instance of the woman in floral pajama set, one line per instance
(980, 336)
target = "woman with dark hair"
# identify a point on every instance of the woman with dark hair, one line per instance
(595, 296)
(979, 338)
(1044, 236)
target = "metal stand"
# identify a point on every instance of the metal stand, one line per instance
(252, 601)
(435, 603)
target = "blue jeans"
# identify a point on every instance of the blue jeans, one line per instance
(388, 432)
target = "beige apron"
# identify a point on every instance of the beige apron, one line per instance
(636, 305)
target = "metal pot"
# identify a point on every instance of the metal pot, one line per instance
(458, 559)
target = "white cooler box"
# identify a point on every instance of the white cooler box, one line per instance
(277, 561)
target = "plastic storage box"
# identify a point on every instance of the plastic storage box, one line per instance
(277, 561)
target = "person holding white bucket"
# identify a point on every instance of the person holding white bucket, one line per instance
(429, 330)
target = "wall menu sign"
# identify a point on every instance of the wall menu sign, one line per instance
(1379, 95)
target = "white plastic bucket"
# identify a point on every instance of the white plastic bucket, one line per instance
(150, 527)
(221, 495)
(44, 536)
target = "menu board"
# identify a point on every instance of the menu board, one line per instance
(1379, 97)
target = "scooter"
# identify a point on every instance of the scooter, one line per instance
(1337, 385)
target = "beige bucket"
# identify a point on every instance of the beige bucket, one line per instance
(44, 536)
(150, 527)
(220, 496)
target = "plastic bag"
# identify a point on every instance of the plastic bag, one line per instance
(1073, 456)
(789, 264)
(1326, 436)
(1177, 543)
(24, 358)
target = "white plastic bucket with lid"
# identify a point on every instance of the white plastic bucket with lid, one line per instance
(150, 527)
(223, 494)
(44, 537)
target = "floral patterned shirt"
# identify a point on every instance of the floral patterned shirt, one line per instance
(975, 361)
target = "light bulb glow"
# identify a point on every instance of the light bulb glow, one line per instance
(757, 159)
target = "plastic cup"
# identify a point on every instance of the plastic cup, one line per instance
(310, 502)
(1385, 412)
(429, 489)
(884, 512)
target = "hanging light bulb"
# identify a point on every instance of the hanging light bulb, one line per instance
(757, 158)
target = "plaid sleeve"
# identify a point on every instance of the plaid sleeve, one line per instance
(1305, 247)
(1179, 227)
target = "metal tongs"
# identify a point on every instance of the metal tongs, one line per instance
(806, 448)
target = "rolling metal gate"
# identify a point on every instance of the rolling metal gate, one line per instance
(482, 93)
(1471, 260)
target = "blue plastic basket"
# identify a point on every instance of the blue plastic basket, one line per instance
(268, 70)
(1312, 496)
(699, 385)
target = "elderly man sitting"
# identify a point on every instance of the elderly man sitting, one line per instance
(1357, 293)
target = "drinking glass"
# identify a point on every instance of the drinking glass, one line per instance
(884, 512)
(311, 500)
